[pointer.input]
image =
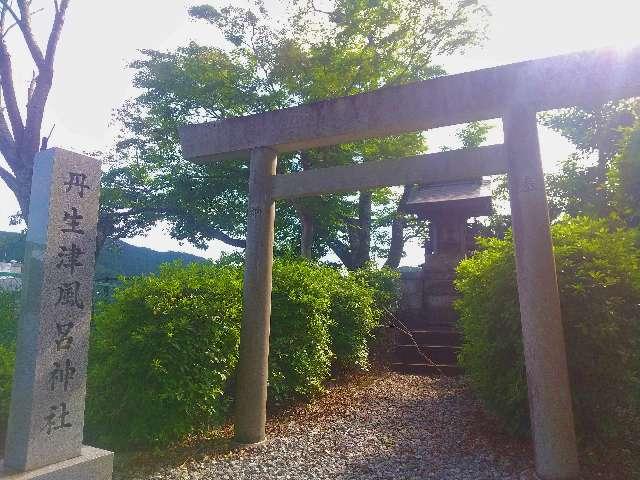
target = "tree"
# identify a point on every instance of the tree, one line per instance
(581, 187)
(130, 202)
(496, 224)
(200, 202)
(624, 177)
(597, 179)
(20, 137)
(349, 47)
(474, 134)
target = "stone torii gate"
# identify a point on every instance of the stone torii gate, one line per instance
(514, 93)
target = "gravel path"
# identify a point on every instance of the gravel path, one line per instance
(384, 426)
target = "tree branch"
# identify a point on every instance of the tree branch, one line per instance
(44, 81)
(7, 144)
(35, 113)
(54, 37)
(9, 92)
(9, 179)
(32, 86)
(5, 32)
(6, 7)
(342, 251)
(223, 237)
(214, 233)
(24, 22)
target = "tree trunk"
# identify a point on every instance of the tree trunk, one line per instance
(343, 252)
(357, 252)
(23, 195)
(305, 215)
(306, 242)
(306, 236)
(396, 248)
(20, 137)
(363, 249)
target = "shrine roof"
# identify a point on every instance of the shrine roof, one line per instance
(447, 192)
(469, 196)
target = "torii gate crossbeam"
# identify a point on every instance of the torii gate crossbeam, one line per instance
(514, 93)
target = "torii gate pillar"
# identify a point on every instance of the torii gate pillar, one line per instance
(542, 332)
(251, 398)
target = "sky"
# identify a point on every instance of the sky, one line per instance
(100, 38)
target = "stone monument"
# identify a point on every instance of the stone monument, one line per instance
(44, 434)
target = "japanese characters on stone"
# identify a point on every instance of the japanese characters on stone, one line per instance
(68, 299)
(46, 418)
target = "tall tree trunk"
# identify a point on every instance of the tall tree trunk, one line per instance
(305, 215)
(396, 248)
(306, 222)
(306, 242)
(22, 192)
(357, 252)
(363, 249)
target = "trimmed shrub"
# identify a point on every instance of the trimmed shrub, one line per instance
(599, 279)
(354, 322)
(162, 352)
(300, 346)
(165, 348)
(385, 287)
(320, 315)
(9, 305)
(361, 301)
(7, 365)
(9, 309)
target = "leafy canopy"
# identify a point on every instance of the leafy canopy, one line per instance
(345, 47)
(583, 186)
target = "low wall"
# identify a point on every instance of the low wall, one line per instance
(11, 284)
(427, 297)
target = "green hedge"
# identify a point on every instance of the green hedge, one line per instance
(385, 286)
(358, 314)
(354, 320)
(164, 349)
(300, 352)
(9, 302)
(599, 279)
(162, 352)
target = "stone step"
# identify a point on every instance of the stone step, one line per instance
(423, 369)
(428, 323)
(440, 354)
(440, 336)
